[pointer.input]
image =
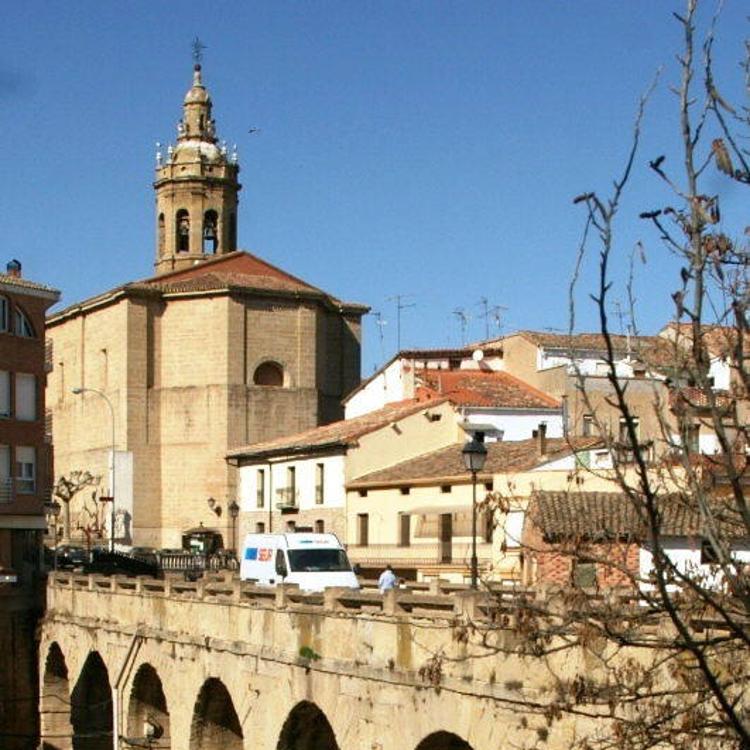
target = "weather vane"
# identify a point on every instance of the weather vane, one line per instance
(198, 48)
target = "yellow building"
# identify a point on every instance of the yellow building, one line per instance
(218, 349)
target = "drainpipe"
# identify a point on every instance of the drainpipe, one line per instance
(270, 497)
(135, 645)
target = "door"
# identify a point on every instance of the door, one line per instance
(446, 538)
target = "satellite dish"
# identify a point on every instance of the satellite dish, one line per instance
(477, 355)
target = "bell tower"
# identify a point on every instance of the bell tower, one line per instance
(196, 189)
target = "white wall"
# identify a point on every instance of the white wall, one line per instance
(515, 425)
(389, 385)
(720, 371)
(305, 470)
(686, 555)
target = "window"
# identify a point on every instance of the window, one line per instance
(260, 488)
(269, 374)
(489, 526)
(624, 436)
(160, 234)
(232, 231)
(318, 561)
(404, 539)
(291, 482)
(405, 490)
(4, 393)
(445, 489)
(25, 397)
(319, 483)
(22, 325)
(692, 438)
(708, 553)
(363, 530)
(210, 233)
(584, 574)
(4, 474)
(320, 526)
(260, 527)
(25, 469)
(587, 428)
(182, 229)
(4, 314)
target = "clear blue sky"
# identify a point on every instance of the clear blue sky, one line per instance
(429, 149)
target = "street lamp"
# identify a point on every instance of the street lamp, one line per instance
(53, 509)
(234, 511)
(79, 391)
(475, 454)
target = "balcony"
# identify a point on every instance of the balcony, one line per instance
(417, 553)
(286, 498)
(6, 491)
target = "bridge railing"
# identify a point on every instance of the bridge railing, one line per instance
(439, 600)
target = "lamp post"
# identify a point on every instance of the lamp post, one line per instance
(234, 511)
(52, 509)
(475, 454)
(79, 391)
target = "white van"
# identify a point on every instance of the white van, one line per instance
(314, 561)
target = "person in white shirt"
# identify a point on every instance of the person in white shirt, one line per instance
(387, 579)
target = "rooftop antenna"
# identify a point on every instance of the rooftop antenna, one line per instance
(463, 319)
(488, 313)
(198, 48)
(380, 323)
(400, 305)
(497, 316)
(621, 317)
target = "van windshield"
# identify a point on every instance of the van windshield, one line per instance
(318, 560)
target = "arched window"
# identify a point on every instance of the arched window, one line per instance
(269, 374)
(183, 231)
(210, 233)
(22, 325)
(160, 234)
(232, 231)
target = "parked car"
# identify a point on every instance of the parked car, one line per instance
(70, 556)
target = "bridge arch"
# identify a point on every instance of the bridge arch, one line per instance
(91, 706)
(215, 725)
(443, 741)
(148, 715)
(54, 702)
(307, 728)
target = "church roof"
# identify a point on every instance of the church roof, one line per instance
(237, 271)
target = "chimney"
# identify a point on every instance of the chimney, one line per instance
(13, 268)
(541, 438)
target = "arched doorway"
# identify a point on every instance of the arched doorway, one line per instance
(54, 703)
(148, 717)
(443, 741)
(215, 725)
(91, 706)
(307, 728)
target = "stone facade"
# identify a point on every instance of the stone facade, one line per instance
(217, 351)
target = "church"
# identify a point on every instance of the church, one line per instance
(154, 381)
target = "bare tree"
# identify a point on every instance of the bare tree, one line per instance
(67, 487)
(659, 650)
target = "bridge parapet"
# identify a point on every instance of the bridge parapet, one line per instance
(401, 632)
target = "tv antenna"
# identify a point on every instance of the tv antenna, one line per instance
(493, 313)
(463, 319)
(400, 305)
(380, 323)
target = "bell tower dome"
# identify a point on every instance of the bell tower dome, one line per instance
(196, 189)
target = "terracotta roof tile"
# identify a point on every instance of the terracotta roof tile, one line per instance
(447, 463)
(342, 433)
(609, 515)
(7, 279)
(481, 388)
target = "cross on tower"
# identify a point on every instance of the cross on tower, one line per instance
(198, 48)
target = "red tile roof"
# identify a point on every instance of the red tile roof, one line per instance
(447, 464)
(337, 434)
(610, 515)
(482, 388)
(236, 271)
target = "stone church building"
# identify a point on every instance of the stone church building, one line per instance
(218, 349)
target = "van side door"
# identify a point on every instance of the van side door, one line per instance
(281, 567)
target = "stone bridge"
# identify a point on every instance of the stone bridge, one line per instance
(227, 665)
